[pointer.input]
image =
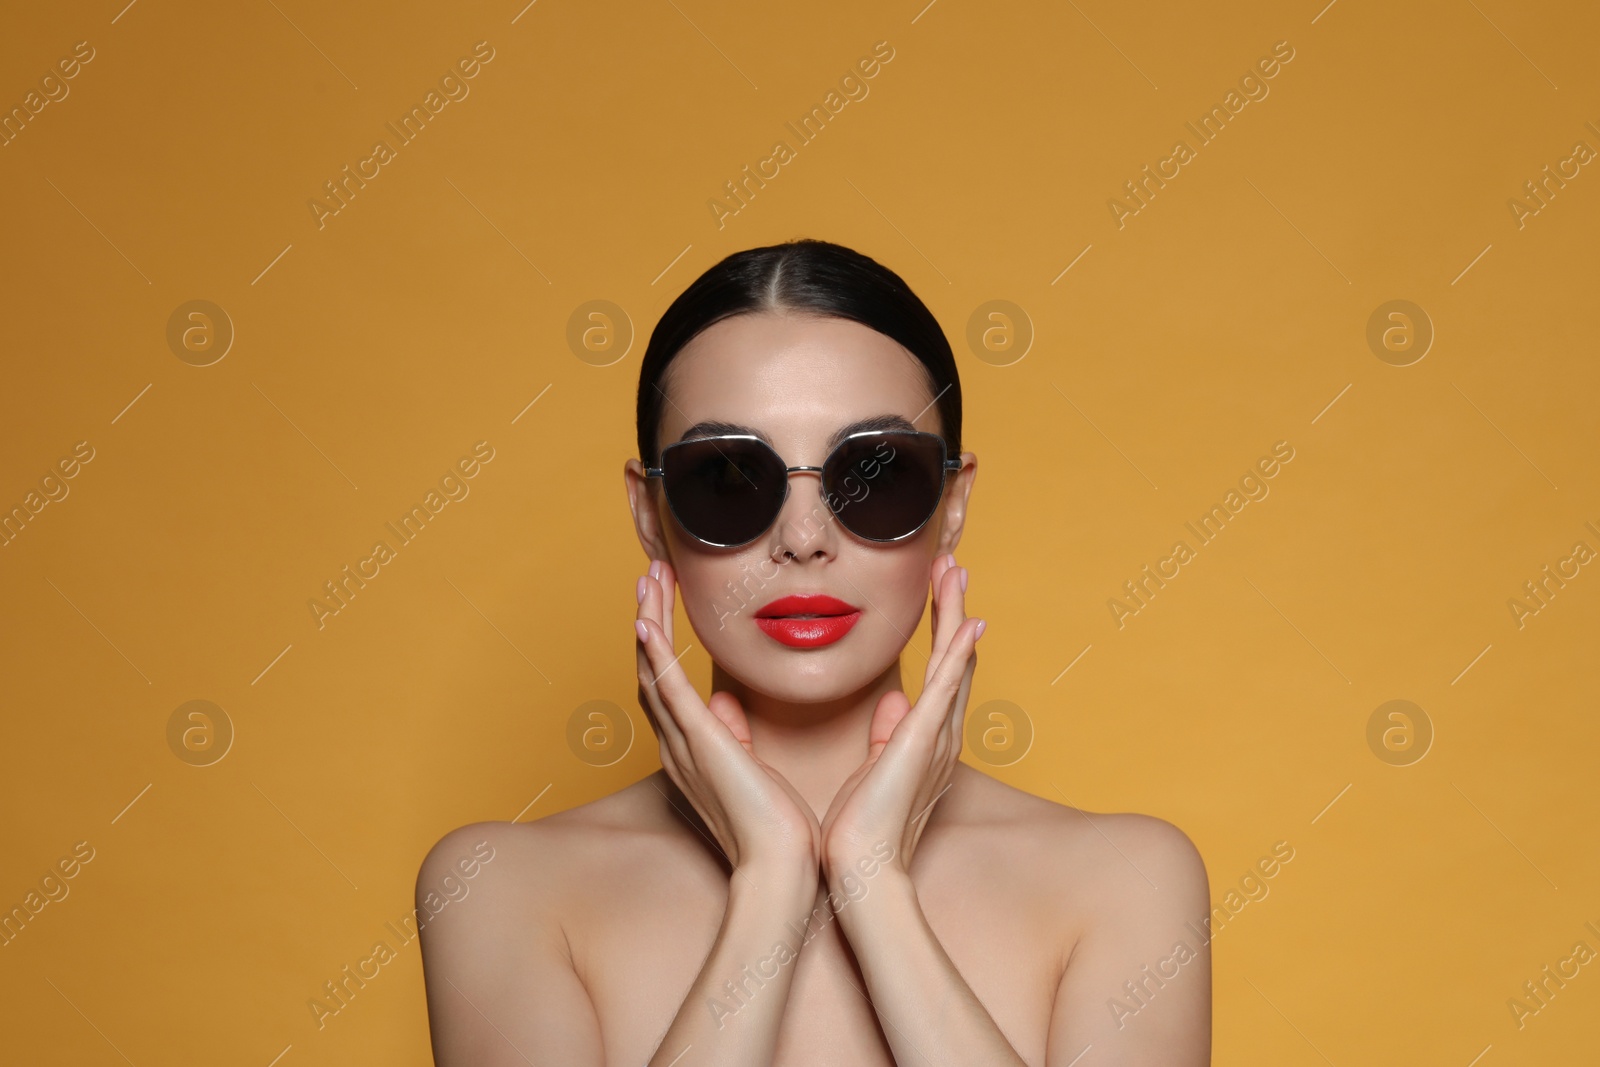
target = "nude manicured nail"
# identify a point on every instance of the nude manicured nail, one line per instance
(641, 590)
(982, 623)
(638, 628)
(655, 568)
(963, 579)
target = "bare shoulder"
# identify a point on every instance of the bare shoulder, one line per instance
(1123, 902)
(1108, 858)
(560, 871)
(576, 844)
(500, 907)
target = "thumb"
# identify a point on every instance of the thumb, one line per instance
(727, 709)
(892, 707)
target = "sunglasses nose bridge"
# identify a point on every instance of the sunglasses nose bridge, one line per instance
(805, 515)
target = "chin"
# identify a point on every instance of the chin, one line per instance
(802, 684)
(806, 675)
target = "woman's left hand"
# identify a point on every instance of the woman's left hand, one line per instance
(912, 751)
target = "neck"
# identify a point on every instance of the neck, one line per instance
(816, 746)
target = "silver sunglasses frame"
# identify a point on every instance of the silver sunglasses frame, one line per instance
(946, 466)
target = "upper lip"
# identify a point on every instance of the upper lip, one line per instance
(805, 604)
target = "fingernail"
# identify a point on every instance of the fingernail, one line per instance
(641, 590)
(981, 624)
(638, 628)
(963, 579)
(655, 568)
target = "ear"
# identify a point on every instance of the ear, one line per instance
(645, 502)
(953, 509)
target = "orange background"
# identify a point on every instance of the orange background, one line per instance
(1229, 313)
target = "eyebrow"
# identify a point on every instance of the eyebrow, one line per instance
(713, 428)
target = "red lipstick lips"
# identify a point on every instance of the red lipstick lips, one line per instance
(807, 620)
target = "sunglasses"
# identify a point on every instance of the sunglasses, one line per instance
(726, 491)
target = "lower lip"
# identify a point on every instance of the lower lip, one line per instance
(809, 633)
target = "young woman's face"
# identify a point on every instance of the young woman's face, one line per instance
(795, 380)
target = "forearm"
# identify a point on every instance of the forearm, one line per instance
(733, 1011)
(930, 1014)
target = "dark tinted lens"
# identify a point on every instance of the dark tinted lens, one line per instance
(725, 492)
(885, 486)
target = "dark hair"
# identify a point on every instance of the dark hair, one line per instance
(810, 276)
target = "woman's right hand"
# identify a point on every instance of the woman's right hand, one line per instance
(755, 814)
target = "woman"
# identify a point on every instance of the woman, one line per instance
(813, 877)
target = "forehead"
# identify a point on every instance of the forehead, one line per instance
(796, 377)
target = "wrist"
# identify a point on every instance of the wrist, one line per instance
(875, 907)
(852, 873)
(781, 880)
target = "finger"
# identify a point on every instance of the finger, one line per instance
(658, 598)
(649, 595)
(958, 708)
(664, 678)
(661, 718)
(952, 613)
(671, 748)
(953, 606)
(940, 565)
(652, 598)
(726, 707)
(945, 683)
(665, 674)
(892, 707)
(668, 579)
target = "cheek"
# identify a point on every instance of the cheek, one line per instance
(718, 590)
(899, 578)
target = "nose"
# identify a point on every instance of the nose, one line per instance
(806, 527)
